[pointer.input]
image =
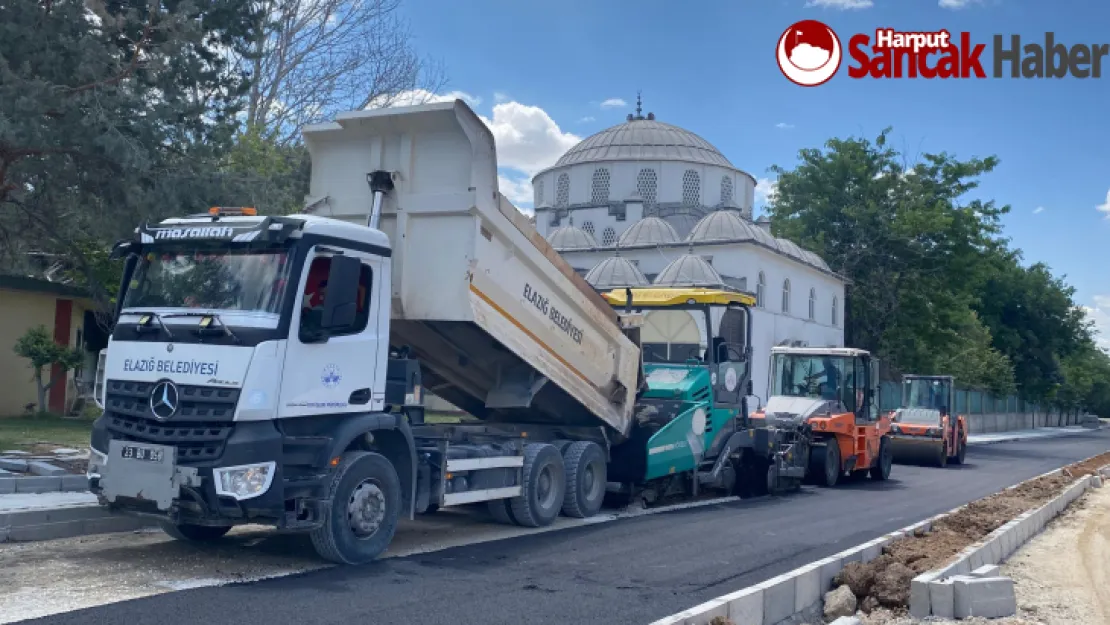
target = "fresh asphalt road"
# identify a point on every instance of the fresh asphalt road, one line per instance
(631, 571)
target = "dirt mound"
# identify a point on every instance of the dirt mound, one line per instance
(885, 581)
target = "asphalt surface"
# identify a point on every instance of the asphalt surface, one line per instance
(630, 572)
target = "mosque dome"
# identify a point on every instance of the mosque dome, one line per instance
(644, 139)
(616, 272)
(649, 231)
(689, 270)
(571, 238)
(721, 225)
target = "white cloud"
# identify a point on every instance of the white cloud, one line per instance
(809, 57)
(1038, 210)
(528, 140)
(500, 96)
(586, 119)
(421, 96)
(1105, 206)
(784, 126)
(956, 4)
(765, 190)
(613, 103)
(1100, 315)
(843, 4)
(518, 190)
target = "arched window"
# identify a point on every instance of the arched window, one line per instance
(646, 186)
(786, 296)
(539, 192)
(760, 291)
(588, 226)
(836, 313)
(812, 304)
(608, 237)
(599, 191)
(562, 191)
(726, 191)
(691, 188)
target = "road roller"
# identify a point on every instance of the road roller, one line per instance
(925, 429)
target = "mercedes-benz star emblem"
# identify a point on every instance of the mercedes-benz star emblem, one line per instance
(169, 347)
(163, 400)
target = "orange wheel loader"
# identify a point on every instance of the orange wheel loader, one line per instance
(831, 393)
(924, 429)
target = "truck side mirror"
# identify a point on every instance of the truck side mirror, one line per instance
(750, 388)
(341, 301)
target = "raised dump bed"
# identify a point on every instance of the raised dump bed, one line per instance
(503, 326)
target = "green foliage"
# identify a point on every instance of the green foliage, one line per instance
(37, 346)
(266, 173)
(934, 287)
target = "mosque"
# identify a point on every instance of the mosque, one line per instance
(648, 203)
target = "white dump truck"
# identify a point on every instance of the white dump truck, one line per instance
(270, 369)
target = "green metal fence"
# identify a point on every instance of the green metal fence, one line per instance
(968, 401)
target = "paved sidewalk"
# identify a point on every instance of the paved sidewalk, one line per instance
(44, 501)
(1021, 435)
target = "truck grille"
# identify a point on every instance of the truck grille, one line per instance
(199, 428)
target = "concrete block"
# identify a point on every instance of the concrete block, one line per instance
(994, 551)
(65, 451)
(829, 568)
(38, 467)
(116, 524)
(962, 566)
(846, 620)
(778, 598)
(704, 613)
(75, 483)
(976, 559)
(34, 484)
(13, 464)
(746, 606)
(851, 555)
(942, 598)
(807, 586)
(919, 595)
(989, 570)
(1096, 482)
(872, 550)
(988, 597)
(7, 485)
(25, 518)
(47, 531)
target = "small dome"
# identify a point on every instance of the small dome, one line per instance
(721, 225)
(791, 249)
(649, 231)
(689, 270)
(764, 237)
(616, 272)
(571, 238)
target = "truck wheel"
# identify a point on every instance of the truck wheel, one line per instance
(366, 502)
(543, 487)
(499, 510)
(194, 533)
(585, 479)
(824, 463)
(881, 470)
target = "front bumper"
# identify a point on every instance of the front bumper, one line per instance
(184, 492)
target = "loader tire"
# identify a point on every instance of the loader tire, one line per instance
(585, 479)
(365, 496)
(881, 471)
(824, 463)
(961, 453)
(543, 487)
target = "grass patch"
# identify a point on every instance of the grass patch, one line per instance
(46, 430)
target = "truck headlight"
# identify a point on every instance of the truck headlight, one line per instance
(96, 461)
(245, 481)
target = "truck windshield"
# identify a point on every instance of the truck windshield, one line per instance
(814, 376)
(925, 394)
(234, 280)
(672, 336)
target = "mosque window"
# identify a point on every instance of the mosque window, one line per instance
(691, 188)
(608, 237)
(539, 193)
(786, 296)
(812, 304)
(599, 192)
(836, 313)
(646, 186)
(588, 227)
(726, 191)
(562, 191)
(760, 289)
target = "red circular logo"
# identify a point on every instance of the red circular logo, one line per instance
(809, 53)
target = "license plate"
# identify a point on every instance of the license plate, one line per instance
(147, 454)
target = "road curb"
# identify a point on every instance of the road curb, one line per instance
(1032, 438)
(68, 522)
(764, 603)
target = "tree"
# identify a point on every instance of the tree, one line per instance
(319, 57)
(112, 113)
(37, 346)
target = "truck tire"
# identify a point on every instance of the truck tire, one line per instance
(585, 479)
(543, 487)
(366, 503)
(881, 470)
(194, 533)
(824, 463)
(499, 510)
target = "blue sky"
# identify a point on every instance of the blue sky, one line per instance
(540, 73)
